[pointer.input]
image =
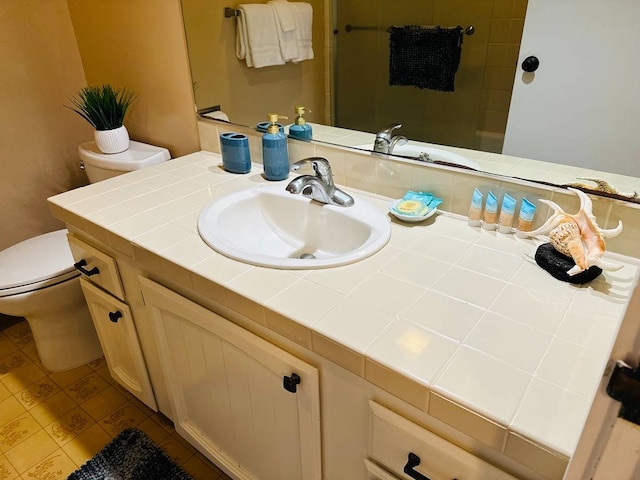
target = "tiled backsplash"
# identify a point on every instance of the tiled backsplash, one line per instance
(392, 178)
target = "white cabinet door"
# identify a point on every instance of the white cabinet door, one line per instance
(580, 107)
(227, 392)
(119, 339)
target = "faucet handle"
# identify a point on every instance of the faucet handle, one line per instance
(387, 132)
(321, 167)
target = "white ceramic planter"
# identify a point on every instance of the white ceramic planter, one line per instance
(112, 141)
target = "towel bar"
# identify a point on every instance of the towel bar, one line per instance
(231, 12)
(470, 30)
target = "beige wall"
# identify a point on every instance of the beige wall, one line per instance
(39, 137)
(248, 94)
(49, 50)
(139, 44)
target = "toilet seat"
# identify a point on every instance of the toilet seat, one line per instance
(36, 263)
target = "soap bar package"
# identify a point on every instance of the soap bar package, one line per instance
(235, 152)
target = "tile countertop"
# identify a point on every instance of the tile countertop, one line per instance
(464, 313)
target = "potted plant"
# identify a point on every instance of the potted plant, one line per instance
(104, 107)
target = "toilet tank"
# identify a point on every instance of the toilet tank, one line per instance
(100, 166)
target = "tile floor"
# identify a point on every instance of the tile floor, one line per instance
(51, 423)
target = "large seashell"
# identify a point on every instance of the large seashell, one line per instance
(578, 236)
(566, 239)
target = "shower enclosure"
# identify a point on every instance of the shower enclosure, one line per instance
(474, 115)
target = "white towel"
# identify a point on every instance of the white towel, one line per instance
(257, 37)
(286, 30)
(303, 16)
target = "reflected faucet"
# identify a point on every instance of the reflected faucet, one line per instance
(386, 141)
(318, 187)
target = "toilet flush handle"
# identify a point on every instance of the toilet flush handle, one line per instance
(83, 263)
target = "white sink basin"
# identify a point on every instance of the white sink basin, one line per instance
(415, 149)
(270, 227)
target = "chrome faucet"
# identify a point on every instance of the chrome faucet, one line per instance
(386, 141)
(318, 187)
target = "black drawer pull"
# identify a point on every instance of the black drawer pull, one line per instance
(413, 461)
(83, 263)
(115, 316)
(291, 383)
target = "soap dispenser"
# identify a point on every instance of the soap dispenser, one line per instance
(275, 158)
(300, 129)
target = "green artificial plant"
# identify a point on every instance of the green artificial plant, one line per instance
(104, 107)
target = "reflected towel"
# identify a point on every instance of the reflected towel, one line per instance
(424, 57)
(286, 28)
(303, 17)
(256, 37)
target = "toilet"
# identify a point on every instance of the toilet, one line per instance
(39, 282)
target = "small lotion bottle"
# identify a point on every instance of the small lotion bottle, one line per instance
(507, 210)
(275, 156)
(300, 128)
(475, 210)
(490, 216)
(525, 218)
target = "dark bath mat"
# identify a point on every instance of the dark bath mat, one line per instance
(131, 455)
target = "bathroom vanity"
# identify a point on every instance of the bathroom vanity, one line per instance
(448, 353)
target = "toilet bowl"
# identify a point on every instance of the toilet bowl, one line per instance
(39, 282)
(44, 288)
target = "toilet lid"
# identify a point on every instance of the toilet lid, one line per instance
(35, 263)
(138, 155)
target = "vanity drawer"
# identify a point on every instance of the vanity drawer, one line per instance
(410, 451)
(96, 266)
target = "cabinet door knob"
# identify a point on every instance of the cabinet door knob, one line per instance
(115, 316)
(413, 461)
(83, 263)
(291, 383)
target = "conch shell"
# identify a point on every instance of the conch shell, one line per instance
(578, 236)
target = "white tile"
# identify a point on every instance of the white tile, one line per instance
(419, 270)
(381, 258)
(594, 331)
(440, 247)
(188, 253)
(490, 262)
(552, 416)
(386, 293)
(162, 237)
(469, 286)
(418, 353)
(458, 230)
(353, 324)
(220, 268)
(262, 284)
(341, 279)
(159, 181)
(532, 277)
(572, 366)
(444, 315)
(136, 225)
(537, 310)
(173, 209)
(305, 301)
(483, 384)
(514, 343)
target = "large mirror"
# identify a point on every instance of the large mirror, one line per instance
(346, 86)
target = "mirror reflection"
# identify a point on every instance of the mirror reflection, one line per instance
(346, 87)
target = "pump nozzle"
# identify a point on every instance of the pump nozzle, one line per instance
(273, 118)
